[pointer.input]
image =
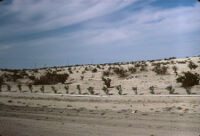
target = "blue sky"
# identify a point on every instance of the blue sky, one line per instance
(37, 33)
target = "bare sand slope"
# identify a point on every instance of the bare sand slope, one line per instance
(86, 116)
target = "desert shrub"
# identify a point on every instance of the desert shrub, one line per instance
(91, 90)
(160, 70)
(82, 77)
(170, 89)
(19, 87)
(175, 69)
(51, 78)
(0, 87)
(105, 89)
(188, 79)
(132, 70)
(79, 89)
(54, 89)
(121, 72)
(151, 88)
(94, 70)
(181, 62)
(143, 68)
(1, 81)
(106, 81)
(42, 89)
(119, 88)
(106, 73)
(192, 65)
(70, 70)
(32, 77)
(67, 89)
(135, 90)
(98, 66)
(188, 90)
(30, 86)
(9, 88)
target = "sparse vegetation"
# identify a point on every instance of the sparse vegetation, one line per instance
(42, 89)
(54, 89)
(106, 81)
(188, 79)
(160, 70)
(119, 88)
(19, 87)
(9, 88)
(91, 90)
(105, 89)
(66, 89)
(79, 89)
(135, 90)
(192, 65)
(175, 69)
(51, 78)
(132, 70)
(121, 72)
(30, 86)
(170, 89)
(151, 88)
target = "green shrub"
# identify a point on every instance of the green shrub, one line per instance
(188, 79)
(175, 69)
(54, 89)
(51, 78)
(135, 90)
(9, 88)
(19, 87)
(160, 70)
(132, 70)
(67, 89)
(91, 90)
(119, 88)
(42, 89)
(121, 72)
(106, 81)
(79, 89)
(192, 65)
(170, 89)
(151, 88)
(30, 86)
(94, 70)
(106, 91)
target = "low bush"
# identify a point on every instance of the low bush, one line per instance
(67, 89)
(106, 91)
(160, 70)
(151, 88)
(119, 88)
(51, 78)
(19, 87)
(170, 89)
(107, 81)
(192, 65)
(91, 90)
(188, 79)
(30, 86)
(79, 89)
(54, 89)
(135, 90)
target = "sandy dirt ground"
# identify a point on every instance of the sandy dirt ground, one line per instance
(62, 115)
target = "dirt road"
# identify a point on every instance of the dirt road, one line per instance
(19, 120)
